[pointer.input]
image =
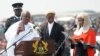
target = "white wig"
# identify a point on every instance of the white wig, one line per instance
(87, 21)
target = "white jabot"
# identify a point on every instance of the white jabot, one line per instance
(79, 31)
(50, 25)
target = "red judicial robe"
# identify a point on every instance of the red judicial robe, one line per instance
(88, 38)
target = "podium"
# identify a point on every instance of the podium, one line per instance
(35, 48)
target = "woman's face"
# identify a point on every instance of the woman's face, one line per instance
(81, 21)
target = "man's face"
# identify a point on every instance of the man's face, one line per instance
(50, 18)
(18, 12)
(26, 18)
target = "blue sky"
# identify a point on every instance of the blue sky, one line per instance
(43, 6)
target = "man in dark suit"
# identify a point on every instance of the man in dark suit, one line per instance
(52, 30)
(17, 7)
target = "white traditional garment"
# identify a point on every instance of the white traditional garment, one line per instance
(12, 37)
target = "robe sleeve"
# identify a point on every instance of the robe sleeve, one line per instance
(76, 38)
(91, 38)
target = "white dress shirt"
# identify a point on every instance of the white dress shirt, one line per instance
(50, 25)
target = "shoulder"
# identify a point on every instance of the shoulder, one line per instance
(55, 23)
(92, 31)
(31, 24)
(44, 25)
(14, 26)
(58, 25)
(16, 23)
(10, 18)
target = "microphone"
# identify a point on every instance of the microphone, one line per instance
(14, 43)
(34, 26)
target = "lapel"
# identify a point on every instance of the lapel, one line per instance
(46, 30)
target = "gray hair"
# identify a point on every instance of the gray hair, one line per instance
(25, 12)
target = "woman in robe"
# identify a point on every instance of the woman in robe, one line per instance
(84, 36)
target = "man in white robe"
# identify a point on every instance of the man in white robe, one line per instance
(13, 35)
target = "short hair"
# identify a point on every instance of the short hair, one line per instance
(50, 14)
(25, 12)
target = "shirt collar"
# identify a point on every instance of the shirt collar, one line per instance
(17, 17)
(51, 23)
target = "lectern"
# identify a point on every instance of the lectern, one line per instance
(35, 48)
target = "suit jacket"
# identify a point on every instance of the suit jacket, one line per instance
(10, 21)
(56, 33)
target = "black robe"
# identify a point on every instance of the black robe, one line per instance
(56, 35)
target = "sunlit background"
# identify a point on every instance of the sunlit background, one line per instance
(43, 6)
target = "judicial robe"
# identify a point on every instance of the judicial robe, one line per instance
(85, 43)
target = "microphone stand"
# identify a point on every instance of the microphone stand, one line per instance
(66, 37)
(14, 43)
